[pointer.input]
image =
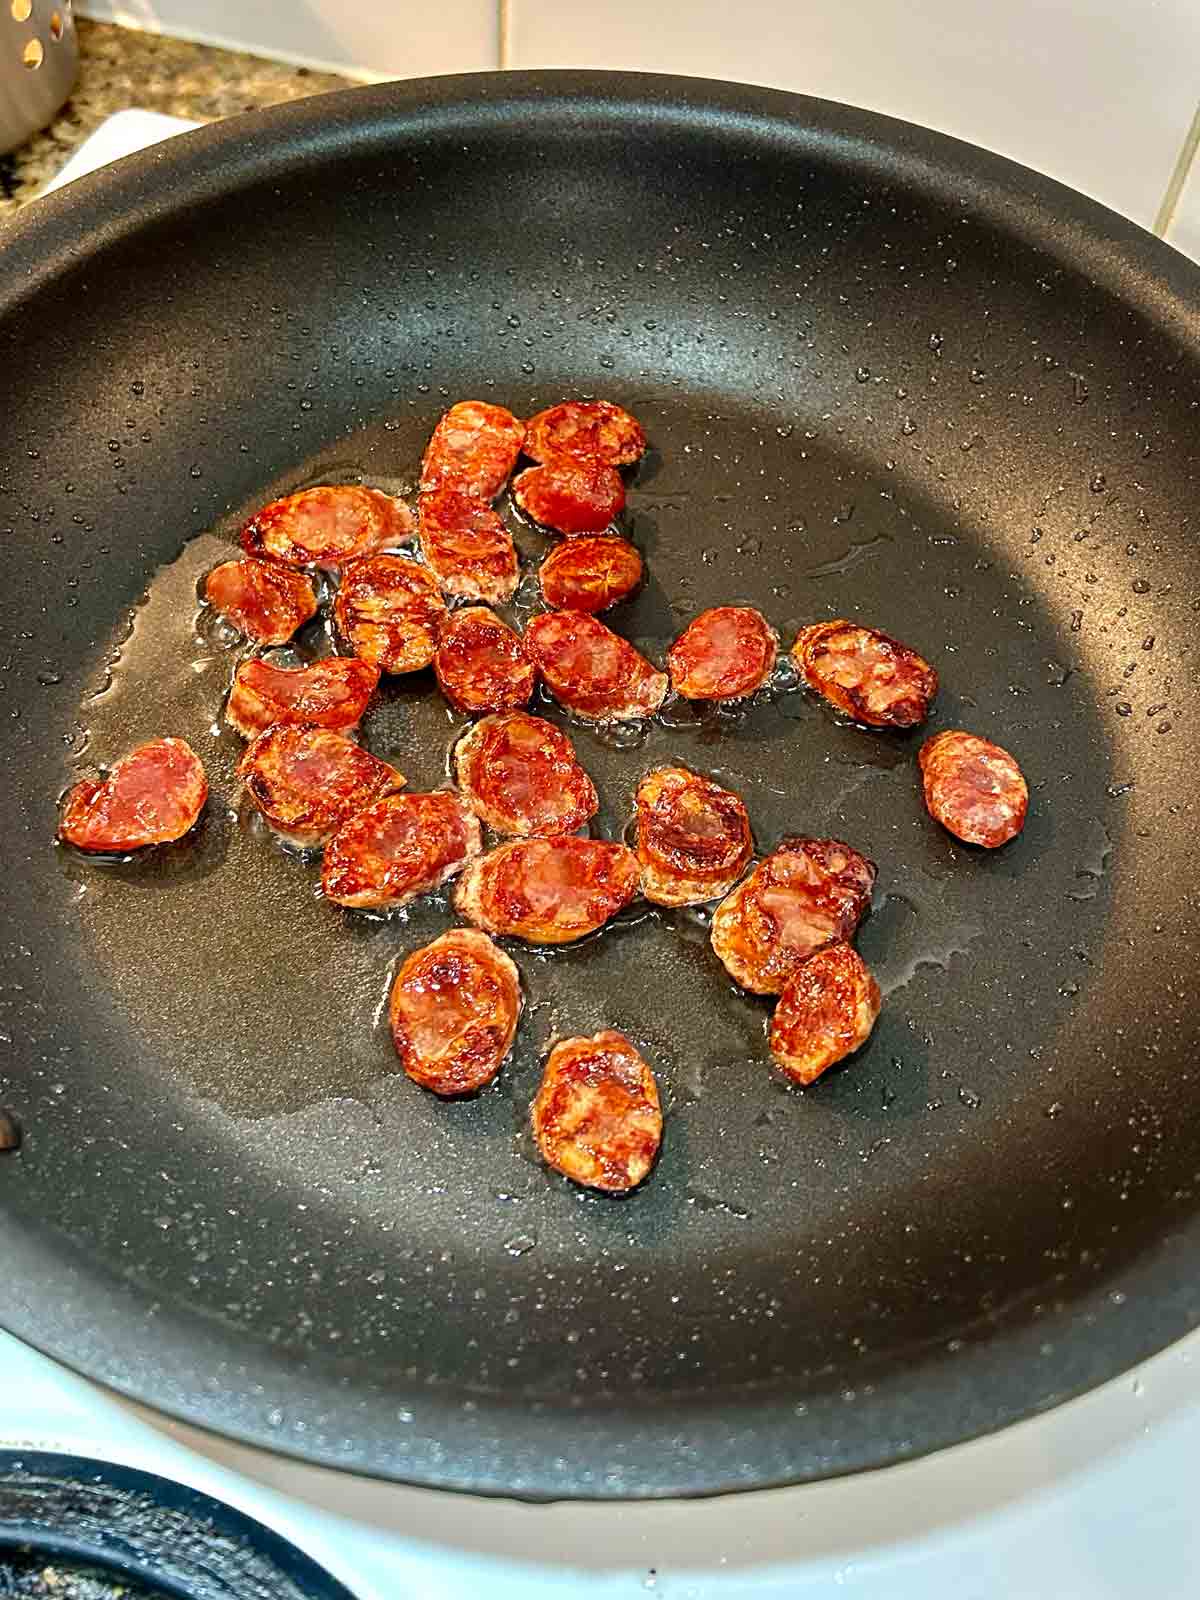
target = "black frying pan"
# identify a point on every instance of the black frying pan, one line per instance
(885, 376)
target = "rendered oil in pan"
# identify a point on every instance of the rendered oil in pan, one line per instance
(883, 376)
(799, 768)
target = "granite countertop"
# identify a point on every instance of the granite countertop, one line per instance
(121, 68)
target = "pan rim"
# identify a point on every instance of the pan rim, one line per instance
(514, 1458)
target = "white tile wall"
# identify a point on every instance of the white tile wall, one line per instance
(1099, 93)
(1183, 226)
(369, 39)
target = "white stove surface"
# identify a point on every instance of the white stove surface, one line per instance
(1094, 1501)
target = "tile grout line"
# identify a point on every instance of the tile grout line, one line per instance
(1175, 183)
(504, 35)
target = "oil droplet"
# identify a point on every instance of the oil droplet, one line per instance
(1076, 621)
(1098, 483)
(908, 427)
(862, 375)
(968, 1097)
(1124, 709)
(520, 1244)
(1054, 1109)
(978, 375)
(47, 678)
(1141, 586)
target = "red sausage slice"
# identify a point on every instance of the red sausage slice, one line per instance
(454, 1009)
(591, 670)
(261, 599)
(590, 574)
(585, 430)
(548, 891)
(803, 896)
(402, 846)
(570, 496)
(154, 795)
(389, 611)
(468, 548)
(597, 1117)
(973, 787)
(693, 837)
(481, 663)
(332, 693)
(473, 449)
(307, 781)
(520, 775)
(327, 526)
(723, 654)
(866, 674)
(826, 1013)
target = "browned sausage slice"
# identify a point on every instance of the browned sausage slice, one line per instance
(590, 574)
(806, 894)
(826, 1013)
(693, 837)
(307, 781)
(389, 611)
(481, 663)
(398, 848)
(548, 891)
(570, 496)
(723, 654)
(973, 787)
(585, 430)
(597, 1117)
(521, 775)
(454, 1010)
(468, 548)
(265, 601)
(327, 526)
(473, 449)
(332, 693)
(591, 670)
(871, 677)
(154, 795)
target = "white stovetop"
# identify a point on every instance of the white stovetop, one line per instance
(1095, 1501)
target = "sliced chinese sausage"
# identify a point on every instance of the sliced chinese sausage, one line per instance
(548, 891)
(825, 1013)
(154, 795)
(306, 781)
(389, 611)
(480, 663)
(398, 848)
(327, 526)
(693, 837)
(806, 894)
(332, 693)
(468, 548)
(871, 677)
(520, 775)
(973, 787)
(591, 670)
(473, 449)
(596, 1117)
(723, 654)
(590, 574)
(454, 1009)
(570, 496)
(585, 430)
(265, 601)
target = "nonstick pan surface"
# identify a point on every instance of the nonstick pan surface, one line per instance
(885, 376)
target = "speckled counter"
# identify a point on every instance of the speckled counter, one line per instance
(120, 68)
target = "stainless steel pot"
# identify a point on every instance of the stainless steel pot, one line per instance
(39, 59)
